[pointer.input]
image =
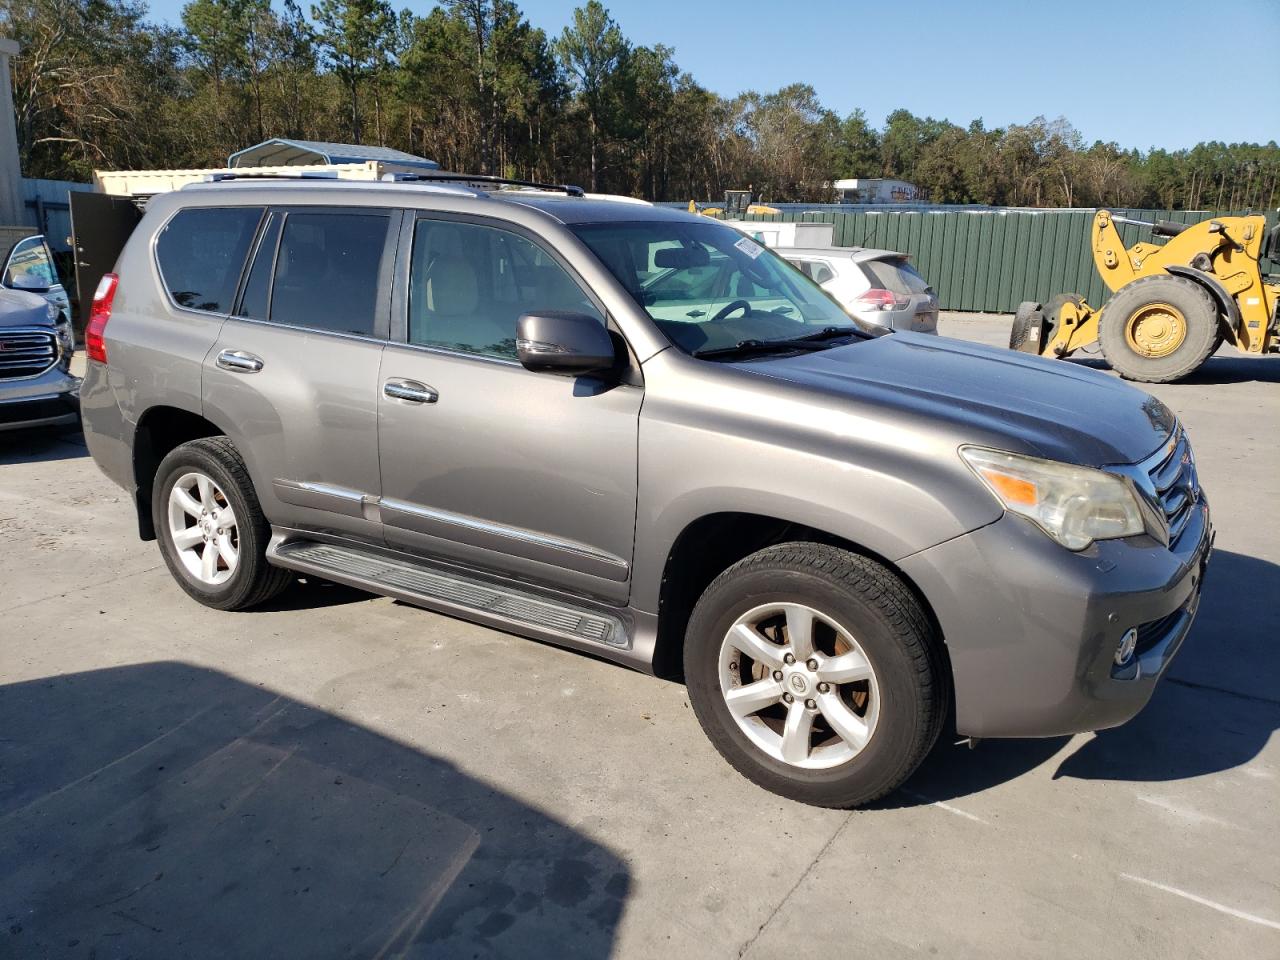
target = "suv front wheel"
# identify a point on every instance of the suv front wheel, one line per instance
(210, 526)
(816, 674)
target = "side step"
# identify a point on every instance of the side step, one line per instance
(449, 592)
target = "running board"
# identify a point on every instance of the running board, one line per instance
(449, 592)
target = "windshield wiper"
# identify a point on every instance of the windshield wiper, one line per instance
(810, 342)
(828, 333)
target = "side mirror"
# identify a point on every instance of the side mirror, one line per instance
(556, 341)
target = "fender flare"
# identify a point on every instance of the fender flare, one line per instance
(1226, 304)
(142, 449)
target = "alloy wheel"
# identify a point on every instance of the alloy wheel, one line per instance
(203, 528)
(798, 685)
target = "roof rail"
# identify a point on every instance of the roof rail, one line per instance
(301, 175)
(480, 181)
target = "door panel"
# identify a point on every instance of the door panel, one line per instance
(530, 474)
(294, 374)
(307, 417)
(100, 226)
(484, 463)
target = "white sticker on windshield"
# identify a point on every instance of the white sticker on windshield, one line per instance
(749, 247)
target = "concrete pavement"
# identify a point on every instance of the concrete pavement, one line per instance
(343, 775)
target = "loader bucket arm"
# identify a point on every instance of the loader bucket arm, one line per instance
(1113, 262)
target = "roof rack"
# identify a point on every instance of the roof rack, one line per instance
(481, 181)
(300, 175)
(471, 183)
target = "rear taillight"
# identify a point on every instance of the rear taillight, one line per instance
(879, 299)
(95, 346)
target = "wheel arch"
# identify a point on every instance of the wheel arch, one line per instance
(159, 430)
(1228, 311)
(710, 544)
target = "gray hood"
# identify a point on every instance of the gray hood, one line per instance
(18, 308)
(1058, 410)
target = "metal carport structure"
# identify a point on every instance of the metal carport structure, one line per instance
(282, 152)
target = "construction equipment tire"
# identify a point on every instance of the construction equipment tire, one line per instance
(1158, 329)
(1027, 335)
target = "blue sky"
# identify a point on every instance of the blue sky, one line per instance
(1136, 73)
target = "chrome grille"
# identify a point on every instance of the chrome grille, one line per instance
(1175, 483)
(26, 352)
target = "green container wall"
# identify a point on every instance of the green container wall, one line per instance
(992, 259)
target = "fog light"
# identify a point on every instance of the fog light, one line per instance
(1128, 643)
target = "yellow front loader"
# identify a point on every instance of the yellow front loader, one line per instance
(1173, 303)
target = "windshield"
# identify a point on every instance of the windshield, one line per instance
(709, 287)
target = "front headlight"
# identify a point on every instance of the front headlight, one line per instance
(1074, 505)
(66, 335)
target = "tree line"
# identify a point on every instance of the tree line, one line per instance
(477, 87)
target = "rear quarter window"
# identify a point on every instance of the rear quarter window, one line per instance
(201, 252)
(896, 275)
(820, 272)
(815, 270)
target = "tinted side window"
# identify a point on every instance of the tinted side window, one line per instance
(804, 266)
(898, 276)
(820, 272)
(327, 271)
(469, 283)
(201, 253)
(254, 302)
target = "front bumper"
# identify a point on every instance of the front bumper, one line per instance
(49, 400)
(1032, 629)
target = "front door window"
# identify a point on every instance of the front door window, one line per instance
(469, 284)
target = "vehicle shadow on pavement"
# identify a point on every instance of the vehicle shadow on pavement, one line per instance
(41, 446)
(313, 593)
(1225, 367)
(1215, 710)
(166, 810)
(1236, 368)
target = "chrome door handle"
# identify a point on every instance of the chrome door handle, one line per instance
(239, 361)
(409, 390)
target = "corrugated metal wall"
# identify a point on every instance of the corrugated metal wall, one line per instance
(48, 209)
(990, 259)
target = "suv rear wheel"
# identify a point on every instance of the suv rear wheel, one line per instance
(816, 674)
(211, 529)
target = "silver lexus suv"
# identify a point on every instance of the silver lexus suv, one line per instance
(637, 433)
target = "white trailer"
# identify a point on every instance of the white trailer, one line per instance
(773, 234)
(146, 183)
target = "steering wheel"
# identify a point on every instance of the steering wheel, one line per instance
(728, 308)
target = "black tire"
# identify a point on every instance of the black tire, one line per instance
(1026, 335)
(896, 635)
(254, 580)
(1198, 310)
